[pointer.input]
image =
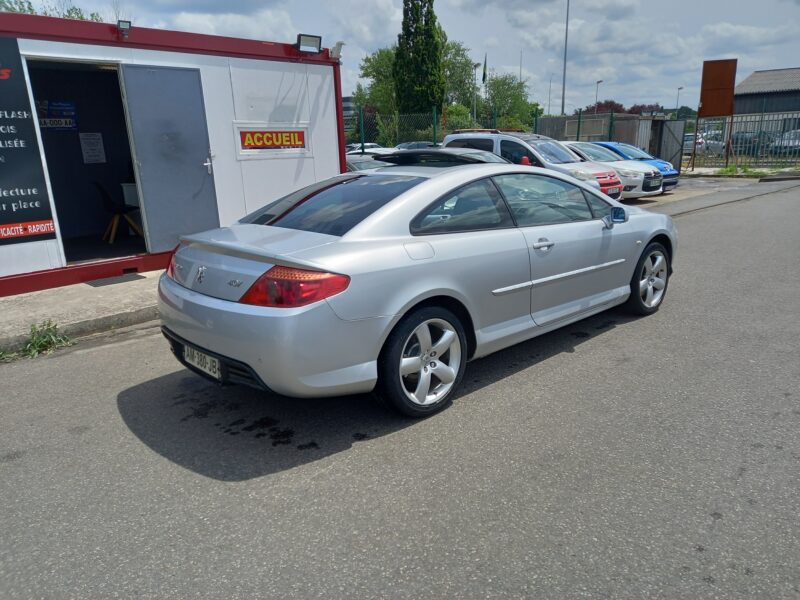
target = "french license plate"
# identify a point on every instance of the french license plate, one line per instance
(204, 362)
(614, 190)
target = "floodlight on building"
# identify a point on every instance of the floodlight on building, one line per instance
(309, 43)
(124, 28)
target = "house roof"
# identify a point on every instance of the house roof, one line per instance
(773, 80)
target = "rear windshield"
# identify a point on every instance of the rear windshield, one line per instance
(333, 206)
(443, 159)
(489, 157)
(486, 144)
(554, 152)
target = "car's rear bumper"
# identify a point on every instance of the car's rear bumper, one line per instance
(300, 352)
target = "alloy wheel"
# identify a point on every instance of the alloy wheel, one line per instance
(430, 361)
(653, 279)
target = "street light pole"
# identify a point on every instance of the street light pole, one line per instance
(564, 76)
(596, 89)
(549, 89)
(677, 102)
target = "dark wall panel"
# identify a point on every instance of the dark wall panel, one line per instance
(773, 102)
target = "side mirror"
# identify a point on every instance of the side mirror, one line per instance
(617, 215)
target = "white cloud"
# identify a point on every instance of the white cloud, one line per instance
(266, 24)
(642, 50)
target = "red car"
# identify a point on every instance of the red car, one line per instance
(610, 184)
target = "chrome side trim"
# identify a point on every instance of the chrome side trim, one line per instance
(568, 274)
(512, 288)
(545, 280)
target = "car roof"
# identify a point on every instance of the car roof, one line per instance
(493, 133)
(361, 157)
(442, 152)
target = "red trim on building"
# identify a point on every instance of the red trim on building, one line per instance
(337, 89)
(107, 34)
(52, 278)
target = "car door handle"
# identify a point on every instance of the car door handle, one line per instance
(543, 244)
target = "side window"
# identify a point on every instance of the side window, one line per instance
(514, 152)
(600, 208)
(539, 200)
(474, 207)
(486, 144)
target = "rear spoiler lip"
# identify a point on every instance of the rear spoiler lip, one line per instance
(253, 253)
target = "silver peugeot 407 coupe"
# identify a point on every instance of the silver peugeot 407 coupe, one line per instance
(391, 280)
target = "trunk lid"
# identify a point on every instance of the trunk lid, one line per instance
(224, 263)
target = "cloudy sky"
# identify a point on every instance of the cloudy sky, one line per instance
(643, 50)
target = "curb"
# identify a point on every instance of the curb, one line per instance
(787, 177)
(102, 324)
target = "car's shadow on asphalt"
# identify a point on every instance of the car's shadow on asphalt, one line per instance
(237, 433)
(643, 201)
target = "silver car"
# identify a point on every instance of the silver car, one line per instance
(391, 280)
(639, 180)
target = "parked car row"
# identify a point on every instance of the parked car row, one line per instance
(617, 169)
(743, 143)
(597, 163)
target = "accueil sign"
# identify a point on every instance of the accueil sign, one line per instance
(272, 140)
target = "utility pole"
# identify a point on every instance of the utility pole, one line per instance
(475, 94)
(520, 64)
(596, 89)
(564, 76)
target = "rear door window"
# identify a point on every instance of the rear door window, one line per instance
(475, 207)
(486, 144)
(334, 206)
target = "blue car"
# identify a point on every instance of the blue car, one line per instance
(668, 172)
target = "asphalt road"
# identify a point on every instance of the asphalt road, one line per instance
(619, 457)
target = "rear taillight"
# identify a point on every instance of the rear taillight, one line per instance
(171, 265)
(286, 287)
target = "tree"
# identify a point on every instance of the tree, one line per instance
(638, 109)
(379, 94)
(418, 75)
(604, 106)
(61, 8)
(457, 116)
(458, 73)
(685, 112)
(507, 96)
(17, 6)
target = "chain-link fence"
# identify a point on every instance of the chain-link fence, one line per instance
(369, 127)
(766, 140)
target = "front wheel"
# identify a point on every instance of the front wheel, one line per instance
(650, 280)
(423, 362)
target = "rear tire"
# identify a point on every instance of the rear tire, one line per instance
(650, 280)
(422, 362)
